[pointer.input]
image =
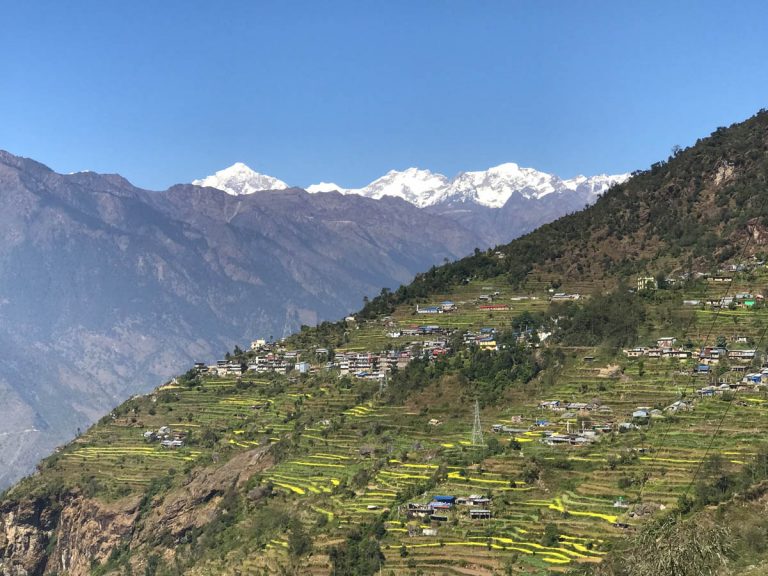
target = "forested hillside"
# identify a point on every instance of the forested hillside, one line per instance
(701, 207)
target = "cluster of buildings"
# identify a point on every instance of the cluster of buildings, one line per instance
(360, 364)
(438, 508)
(270, 362)
(707, 355)
(484, 302)
(665, 348)
(741, 300)
(558, 406)
(426, 330)
(580, 438)
(166, 437)
(376, 365)
(485, 339)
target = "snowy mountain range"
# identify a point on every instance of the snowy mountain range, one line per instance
(491, 188)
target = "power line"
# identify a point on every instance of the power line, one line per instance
(719, 426)
(664, 435)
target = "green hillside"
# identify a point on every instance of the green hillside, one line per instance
(592, 431)
(701, 207)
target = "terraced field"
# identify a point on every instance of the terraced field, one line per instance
(347, 458)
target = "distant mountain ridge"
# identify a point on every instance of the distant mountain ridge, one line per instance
(491, 188)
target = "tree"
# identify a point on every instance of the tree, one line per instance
(299, 542)
(676, 547)
(359, 555)
(494, 446)
(551, 535)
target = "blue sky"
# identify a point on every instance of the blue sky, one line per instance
(164, 92)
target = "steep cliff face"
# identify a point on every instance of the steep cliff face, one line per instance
(26, 530)
(66, 536)
(195, 504)
(87, 533)
(73, 533)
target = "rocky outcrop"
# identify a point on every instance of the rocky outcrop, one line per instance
(72, 533)
(42, 536)
(88, 532)
(26, 530)
(198, 502)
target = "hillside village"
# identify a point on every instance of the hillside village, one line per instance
(436, 478)
(577, 463)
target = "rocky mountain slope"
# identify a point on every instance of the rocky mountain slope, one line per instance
(106, 288)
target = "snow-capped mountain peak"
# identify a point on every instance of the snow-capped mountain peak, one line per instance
(493, 187)
(240, 179)
(414, 185)
(595, 185)
(325, 187)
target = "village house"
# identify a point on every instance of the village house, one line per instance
(634, 352)
(258, 344)
(494, 307)
(479, 514)
(428, 310)
(701, 369)
(201, 368)
(414, 510)
(487, 344)
(234, 368)
(646, 283)
(554, 405)
(176, 443)
(563, 297)
(742, 355)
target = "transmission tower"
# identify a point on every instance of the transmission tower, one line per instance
(477, 428)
